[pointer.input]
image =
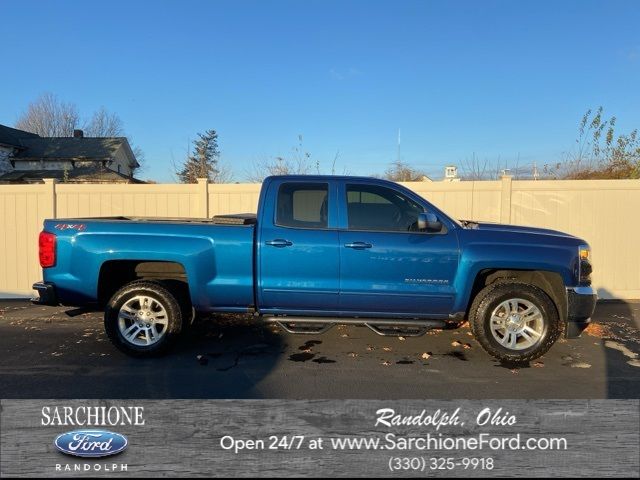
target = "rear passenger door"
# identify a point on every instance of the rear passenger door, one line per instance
(298, 248)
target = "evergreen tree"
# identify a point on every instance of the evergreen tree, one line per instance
(203, 162)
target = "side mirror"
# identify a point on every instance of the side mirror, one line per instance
(428, 222)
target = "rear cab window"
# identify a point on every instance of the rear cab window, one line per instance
(302, 205)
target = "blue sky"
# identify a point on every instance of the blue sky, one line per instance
(501, 79)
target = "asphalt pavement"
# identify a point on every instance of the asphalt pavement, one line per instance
(45, 353)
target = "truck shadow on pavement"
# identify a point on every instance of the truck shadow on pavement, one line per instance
(221, 358)
(617, 326)
(44, 353)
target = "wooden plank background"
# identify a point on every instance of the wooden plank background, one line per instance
(181, 438)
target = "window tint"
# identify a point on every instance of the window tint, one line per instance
(302, 205)
(377, 208)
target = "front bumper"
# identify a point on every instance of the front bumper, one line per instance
(581, 302)
(46, 294)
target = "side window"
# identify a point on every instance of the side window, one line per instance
(302, 205)
(376, 208)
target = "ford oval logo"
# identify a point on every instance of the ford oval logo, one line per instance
(91, 443)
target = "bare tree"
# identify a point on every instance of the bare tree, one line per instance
(298, 163)
(47, 116)
(139, 154)
(223, 173)
(403, 172)
(104, 124)
(476, 169)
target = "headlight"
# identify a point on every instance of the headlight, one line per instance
(584, 265)
(585, 252)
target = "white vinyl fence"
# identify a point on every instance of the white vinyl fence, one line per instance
(604, 212)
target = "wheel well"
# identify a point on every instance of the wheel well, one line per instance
(549, 282)
(114, 274)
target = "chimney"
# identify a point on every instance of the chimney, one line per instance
(78, 134)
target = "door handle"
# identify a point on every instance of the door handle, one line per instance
(358, 245)
(279, 242)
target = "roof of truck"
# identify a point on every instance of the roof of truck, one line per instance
(323, 177)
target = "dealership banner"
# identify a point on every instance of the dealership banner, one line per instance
(316, 438)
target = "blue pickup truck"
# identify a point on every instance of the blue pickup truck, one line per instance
(323, 250)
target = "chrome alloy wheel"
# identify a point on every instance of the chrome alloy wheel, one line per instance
(517, 324)
(142, 321)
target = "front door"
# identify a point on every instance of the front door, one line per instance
(387, 266)
(298, 249)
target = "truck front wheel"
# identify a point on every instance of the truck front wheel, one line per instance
(143, 319)
(514, 322)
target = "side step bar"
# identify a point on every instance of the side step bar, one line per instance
(381, 326)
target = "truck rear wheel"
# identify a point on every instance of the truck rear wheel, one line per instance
(514, 322)
(143, 319)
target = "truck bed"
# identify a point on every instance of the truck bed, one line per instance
(217, 257)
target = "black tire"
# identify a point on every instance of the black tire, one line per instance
(491, 297)
(158, 293)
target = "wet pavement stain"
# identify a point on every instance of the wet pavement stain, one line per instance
(250, 351)
(309, 345)
(301, 357)
(458, 355)
(405, 362)
(323, 360)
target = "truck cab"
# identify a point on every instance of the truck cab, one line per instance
(337, 246)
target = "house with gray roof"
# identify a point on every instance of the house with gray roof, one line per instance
(28, 158)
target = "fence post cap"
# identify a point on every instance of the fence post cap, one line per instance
(50, 180)
(203, 180)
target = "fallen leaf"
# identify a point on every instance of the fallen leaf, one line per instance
(597, 330)
(386, 363)
(466, 346)
(538, 364)
(386, 349)
(425, 356)
(456, 343)
(580, 365)
(401, 339)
